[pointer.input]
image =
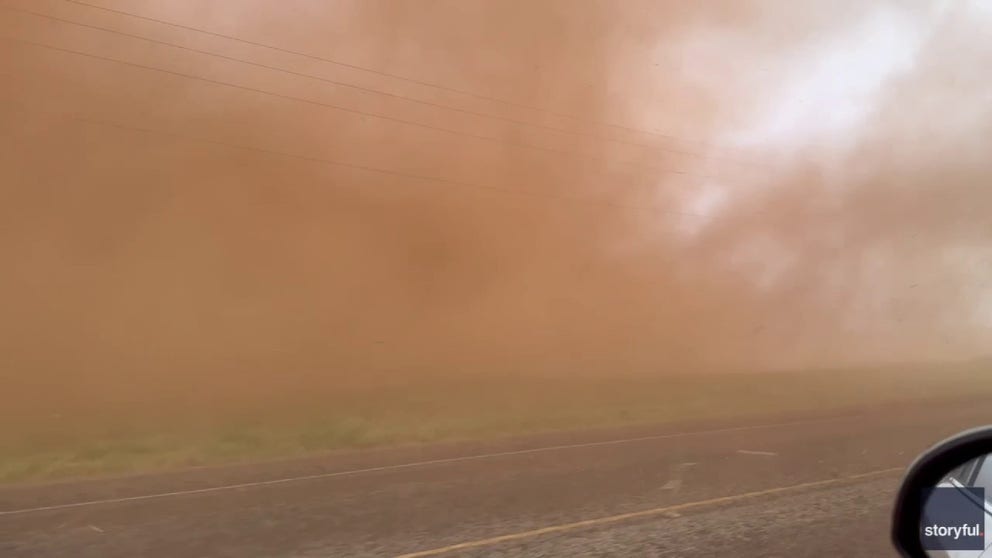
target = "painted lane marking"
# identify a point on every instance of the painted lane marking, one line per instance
(763, 453)
(411, 465)
(667, 511)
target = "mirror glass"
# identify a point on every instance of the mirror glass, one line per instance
(957, 513)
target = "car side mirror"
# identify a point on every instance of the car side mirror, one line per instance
(944, 506)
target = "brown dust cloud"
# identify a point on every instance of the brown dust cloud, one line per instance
(405, 188)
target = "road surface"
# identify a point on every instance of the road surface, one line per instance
(811, 485)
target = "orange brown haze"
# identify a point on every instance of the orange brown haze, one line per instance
(597, 188)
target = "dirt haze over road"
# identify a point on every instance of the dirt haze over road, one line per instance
(809, 192)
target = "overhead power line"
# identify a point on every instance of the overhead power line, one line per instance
(355, 166)
(566, 153)
(360, 88)
(578, 119)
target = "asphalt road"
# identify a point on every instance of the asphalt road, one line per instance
(812, 485)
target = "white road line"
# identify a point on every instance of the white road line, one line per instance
(412, 465)
(667, 511)
(753, 452)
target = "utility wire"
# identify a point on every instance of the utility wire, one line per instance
(570, 154)
(366, 168)
(357, 87)
(472, 94)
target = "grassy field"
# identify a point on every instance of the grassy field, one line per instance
(439, 409)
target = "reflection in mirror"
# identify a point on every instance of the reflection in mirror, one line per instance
(957, 513)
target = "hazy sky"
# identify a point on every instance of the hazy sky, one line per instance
(405, 187)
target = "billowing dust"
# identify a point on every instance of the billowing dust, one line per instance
(551, 188)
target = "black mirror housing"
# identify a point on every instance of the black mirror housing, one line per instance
(926, 472)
